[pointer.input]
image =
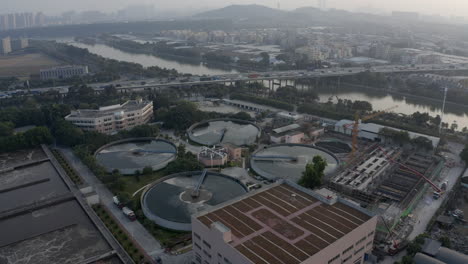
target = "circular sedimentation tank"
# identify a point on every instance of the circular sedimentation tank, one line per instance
(171, 201)
(219, 131)
(131, 155)
(288, 161)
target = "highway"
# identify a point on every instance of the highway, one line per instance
(159, 83)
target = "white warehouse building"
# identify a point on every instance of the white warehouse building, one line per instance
(63, 72)
(371, 131)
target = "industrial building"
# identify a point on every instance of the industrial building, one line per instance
(63, 72)
(371, 131)
(213, 156)
(433, 252)
(287, 134)
(114, 118)
(284, 223)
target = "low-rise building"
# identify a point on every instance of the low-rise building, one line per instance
(234, 152)
(111, 119)
(63, 72)
(287, 134)
(284, 223)
(371, 131)
(214, 156)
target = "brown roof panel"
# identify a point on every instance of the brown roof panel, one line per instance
(283, 225)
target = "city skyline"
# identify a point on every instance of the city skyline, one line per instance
(55, 7)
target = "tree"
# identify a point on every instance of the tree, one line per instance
(445, 240)
(422, 142)
(66, 133)
(265, 58)
(6, 129)
(454, 126)
(182, 116)
(313, 174)
(464, 155)
(242, 116)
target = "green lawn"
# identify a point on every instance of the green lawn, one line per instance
(133, 184)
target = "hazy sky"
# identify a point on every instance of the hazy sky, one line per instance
(444, 7)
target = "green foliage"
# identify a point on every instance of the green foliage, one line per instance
(103, 66)
(31, 138)
(445, 240)
(6, 129)
(66, 133)
(401, 137)
(242, 116)
(263, 101)
(464, 155)
(407, 260)
(147, 170)
(186, 161)
(422, 142)
(181, 116)
(313, 174)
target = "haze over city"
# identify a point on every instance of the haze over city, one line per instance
(233, 132)
(448, 7)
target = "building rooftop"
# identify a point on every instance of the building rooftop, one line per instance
(132, 105)
(375, 129)
(286, 128)
(285, 222)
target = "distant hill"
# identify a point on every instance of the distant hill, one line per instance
(240, 12)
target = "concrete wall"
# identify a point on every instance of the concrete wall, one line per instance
(171, 224)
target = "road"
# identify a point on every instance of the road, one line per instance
(138, 232)
(427, 207)
(155, 83)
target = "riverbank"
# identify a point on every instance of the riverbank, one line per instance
(393, 92)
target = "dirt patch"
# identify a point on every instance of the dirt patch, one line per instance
(25, 64)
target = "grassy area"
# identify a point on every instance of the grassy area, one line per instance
(133, 183)
(68, 169)
(119, 234)
(25, 64)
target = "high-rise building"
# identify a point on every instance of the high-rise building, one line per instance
(5, 46)
(18, 44)
(322, 4)
(39, 20)
(284, 223)
(4, 22)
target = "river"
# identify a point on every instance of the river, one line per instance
(407, 105)
(380, 100)
(196, 68)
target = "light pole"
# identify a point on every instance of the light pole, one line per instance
(443, 110)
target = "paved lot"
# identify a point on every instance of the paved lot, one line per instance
(139, 233)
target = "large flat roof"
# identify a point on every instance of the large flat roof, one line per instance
(283, 224)
(128, 106)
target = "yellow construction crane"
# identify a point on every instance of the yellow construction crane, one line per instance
(356, 123)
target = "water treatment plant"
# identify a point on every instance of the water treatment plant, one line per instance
(221, 131)
(171, 201)
(288, 161)
(131, 155)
